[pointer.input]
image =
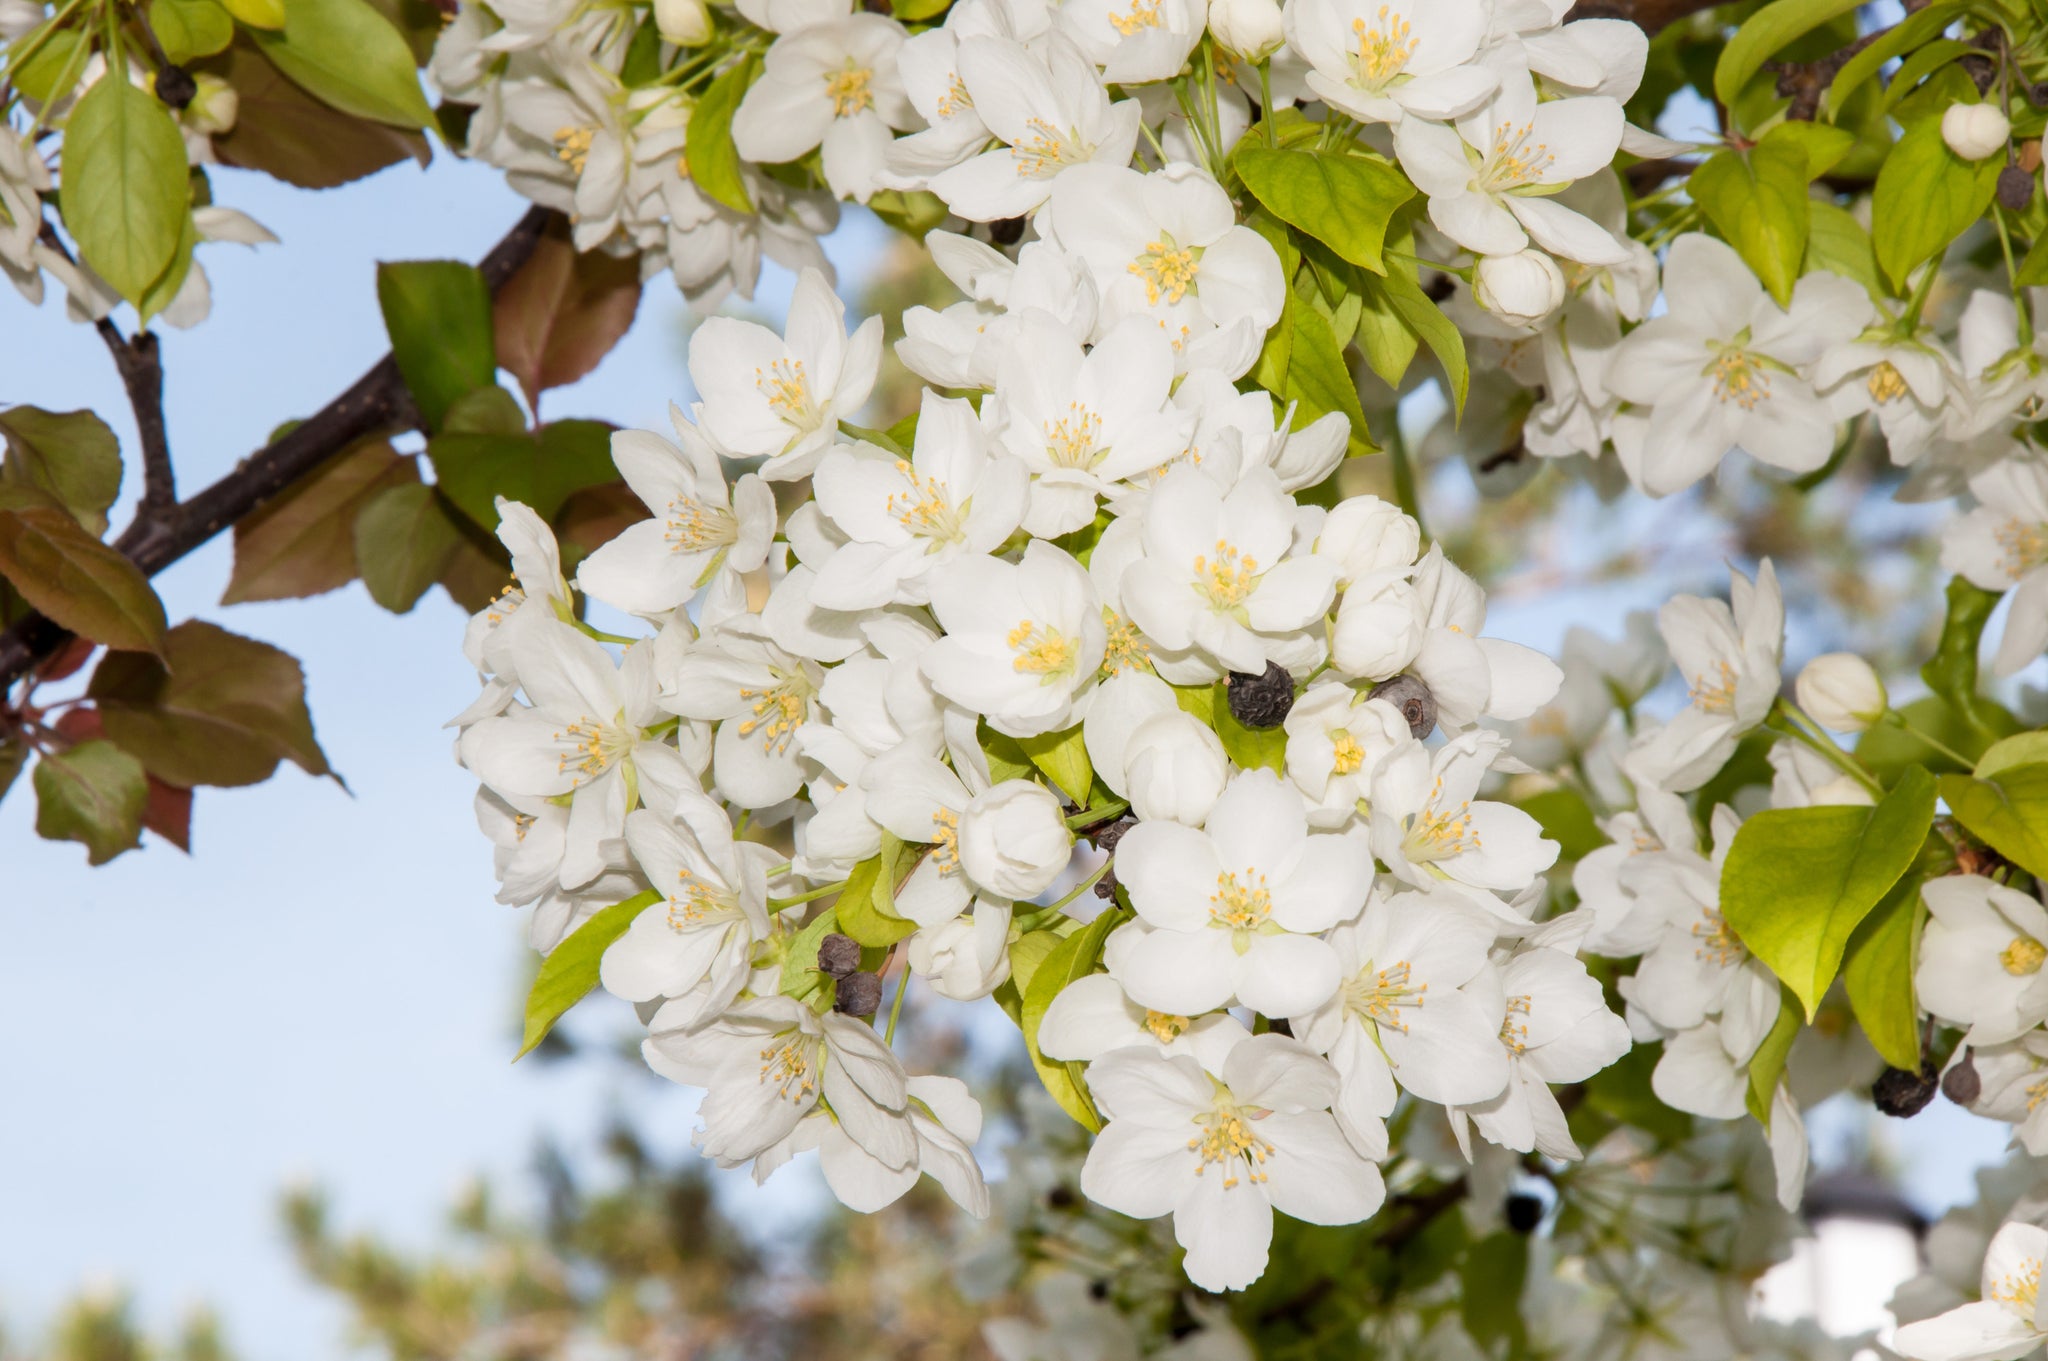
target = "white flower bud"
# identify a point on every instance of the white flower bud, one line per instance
(214, 106)
(1250, 28)
(1841, 692)
(967, 957)
(1364, 534)
(1378, 629)
(686, 23)
(1974, 131)
(1174, 769)
(1013, 840)
(1524, 287)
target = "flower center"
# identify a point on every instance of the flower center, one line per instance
(1886, 383)
(788, 391)
(1041, 651)
(946, 841)
(1144, 14)
(1516, 1036)
(695, 525)
(924, 509)
(1227, 578)
(1124, 648)
(1348, 755)
(1383, 49)
(777, 711)
(1716, 943)
(593, 746)
(1440, 833)
(1164, 1027)
(1241, 907)
(1739, 377)
(699, 901)
(501, 608)
(1167, 268)
(2020, 1291)
(955, 99)
(1513, 161)
(1714, 691)
(787, 1067)
(2023, 956)
(1045, 149)
(848, 89)
(1075, 439)
(1377, 995)
(2024, 546)
(1226, 1137)
(572, 147)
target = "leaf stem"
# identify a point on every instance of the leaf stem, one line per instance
(1893, 716)
(1787, 719)
(896, 1007)
(783, 904)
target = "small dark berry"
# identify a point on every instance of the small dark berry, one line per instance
(2015, 188)
(175, 87)
(1900, 1093)
(1962, 1083)
(1412, 698)
(859, 994)
(1261, 701)
(1098, 1289)
(1524, 1212)
(1061, 1197)
(838, 955)
(1007, 232)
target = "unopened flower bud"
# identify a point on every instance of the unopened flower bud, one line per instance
(858, 994)
(1174, 769)
(1974, 131)
(964, 958)
(1251, 28)
(1841, 692)
(214, 106)
(1962, 1083)
(838, 955)
(1261, 701)
(1901, 1093)
(1524, 287)
(686, 23)
(1013, 840)
(1412, 698)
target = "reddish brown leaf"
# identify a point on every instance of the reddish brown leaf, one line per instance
(477, 571)
(594, 516)
(563, 311)
(303, 542)
(285, 132)
(65, 663)
(168, 812)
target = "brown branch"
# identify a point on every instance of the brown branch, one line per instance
(1649, 15)
(142, 373)
(161, 534)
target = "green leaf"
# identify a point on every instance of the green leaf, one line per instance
(190, 29)
(1767, 1065)
(89, 588)
(1888, 748)
(571, 969)
(1250, 748)
(54, 68)
(351, 57)
(302, 542)
(912, 212)
(1952, 671)
(2033, 270)
(1909, 33)
(1303, 362)
(1877, 968)
(1757, 201)
(572, 455)
(2023, 749)
(1428, 321)
(72, 455)
(1564, 817)
(1199, 700)
(800, 966)
(485, 411)
(1926, 84)
(92, 793)
(1798, 880)
(713, 159)
(1823, 144)
(1926, 196)
(404, 537)
(1075, 957)
(219, 710)
(1837, 243)
(1766, 32)
(126, 193)
(162, 293)
(1027, 953)
(438, 313)
(1343, 201)
(1063, 756)
(2009, 812)
(1494, 1271)
(866, 907)
(1006, 758)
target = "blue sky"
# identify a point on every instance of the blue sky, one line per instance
(326, 990)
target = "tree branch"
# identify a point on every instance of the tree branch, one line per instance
(142, 372)
(162, 533)
(1649, 15)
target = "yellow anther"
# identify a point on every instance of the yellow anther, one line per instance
(946, 841)
(777, 711)
(1383, 49)
(1041, 651)
(1124, 648)
(692, 525)
(924, 509)
(1886, 383)
(1168, 269)
(1045, 149)
(2022, 547)
(848, 89)
(1376, 996)
(1513, 1034)
(1514, 160)
(788, 391)
(1714, 691)
(572, 146)
(1166, 1028)
(1348, 755)
(2023, 956)
(1226, 1137)
(1739, 378)
(1227, 578)
(1716, 942)
(956, 99)
(787, 1068)
(1241, 906)
(1075, 439)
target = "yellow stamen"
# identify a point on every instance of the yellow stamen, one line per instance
(2023, 956)
(1383, 49)
(1167, 268)
(848, 90)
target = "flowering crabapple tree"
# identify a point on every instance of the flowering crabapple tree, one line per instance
(1082, 678)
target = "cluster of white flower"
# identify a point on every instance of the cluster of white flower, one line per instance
(864, 669)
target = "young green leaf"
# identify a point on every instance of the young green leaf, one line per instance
(404, 537)
(1798, 881)
(1063, 756)
(190, 29)
(1757, 201)
(867, 905)
(800, 965)
(438, 314)
(1768, 1063)
(1909, 33)
(1766, 32)
(126, 194)
(1075, 957)
(350, 57)
(1345, 202)
(1877, 967)
(1926, 196)
(571, 969)
(91, 793)
(72, 455)
(709, 151)
(2009, 812)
